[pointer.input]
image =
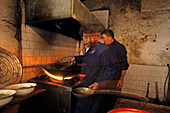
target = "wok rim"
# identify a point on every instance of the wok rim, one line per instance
(83, 91)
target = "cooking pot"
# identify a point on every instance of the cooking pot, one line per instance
(82, 92)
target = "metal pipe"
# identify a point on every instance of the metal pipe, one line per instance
(35, 65)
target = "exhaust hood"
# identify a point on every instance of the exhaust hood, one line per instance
(61, 16)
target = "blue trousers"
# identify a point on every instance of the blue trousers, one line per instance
(96, 104)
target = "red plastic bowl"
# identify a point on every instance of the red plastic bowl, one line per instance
(128, 110)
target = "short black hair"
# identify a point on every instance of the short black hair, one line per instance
(108, 32)
(90, 28)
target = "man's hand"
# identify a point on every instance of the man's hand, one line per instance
(94, 86)
(72, 61)
(120, 83)
(79, 50)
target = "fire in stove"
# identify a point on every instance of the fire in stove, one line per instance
(56, 77)
(59, 83)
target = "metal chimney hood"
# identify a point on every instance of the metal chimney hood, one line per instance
(62, 16)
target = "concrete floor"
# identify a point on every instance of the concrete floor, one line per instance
(153, 108)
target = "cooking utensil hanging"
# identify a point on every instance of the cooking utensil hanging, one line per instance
(10, 68)
(83, 92)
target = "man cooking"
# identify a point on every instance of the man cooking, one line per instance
(97, 68)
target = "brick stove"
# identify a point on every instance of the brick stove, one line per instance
(58, 96)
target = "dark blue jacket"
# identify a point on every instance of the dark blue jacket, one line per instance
(98, 67)
(118, 56)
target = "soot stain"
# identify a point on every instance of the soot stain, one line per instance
(144, 39)
(133, 46)
(154, 40)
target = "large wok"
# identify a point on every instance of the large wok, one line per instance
(83, 92)
(64, 69)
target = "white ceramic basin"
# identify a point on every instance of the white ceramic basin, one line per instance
(22, 88)
(6, 99)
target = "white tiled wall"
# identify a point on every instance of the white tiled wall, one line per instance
(138, 76)
(42, 47)
(102, 16)
(36, 50)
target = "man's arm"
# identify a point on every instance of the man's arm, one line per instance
(123, 58)
(124, 65)
(120, 82)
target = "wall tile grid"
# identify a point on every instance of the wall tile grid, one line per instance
(36, 50)
(102, 16)
(138, 76)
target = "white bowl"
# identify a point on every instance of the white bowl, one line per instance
(22, 88)
(6, 99)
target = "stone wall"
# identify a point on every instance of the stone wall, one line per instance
(10, 22)
(143, 27)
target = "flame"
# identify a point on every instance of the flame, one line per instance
(81, 75)
(68, 77)
(57, 77)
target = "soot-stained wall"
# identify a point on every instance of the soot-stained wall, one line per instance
(142, 26)
(10, 30)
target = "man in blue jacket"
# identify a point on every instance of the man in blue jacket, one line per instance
(118, 55)
(97, 68)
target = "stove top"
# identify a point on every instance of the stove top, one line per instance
(44, 79)
(58, 96)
